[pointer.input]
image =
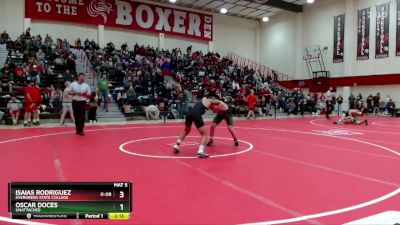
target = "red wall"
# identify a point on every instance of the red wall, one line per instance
(324, 84)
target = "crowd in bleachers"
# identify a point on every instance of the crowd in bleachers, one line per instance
(42, 61)
(139, 76)
(144, 75)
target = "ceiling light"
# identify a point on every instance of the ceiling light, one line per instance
(265, 19)
(172, 1)
(223, 11)
(310, 1)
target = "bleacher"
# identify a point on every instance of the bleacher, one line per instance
(188, 72)
(51, 77)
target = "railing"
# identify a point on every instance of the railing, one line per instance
(265, 70)
(81, 55)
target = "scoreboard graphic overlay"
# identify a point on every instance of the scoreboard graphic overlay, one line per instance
(70, 200)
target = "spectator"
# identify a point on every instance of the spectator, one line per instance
(340, 101)
(32, 100)
(370, 103)
(71, 66)
(376, 103)
(93, 45)
(121, 99)
(93, 108)
(329, 102)
(387, 98)
(87, 44)
(67, 104)
(102, 85)
(124, 47)
(14, 106)
(264, 106)
(251, 101)
(391, 108)
(28, 33)
(78, 43)
(55, 99)
(40, 56)
(275, 75)
(6, 78)
(48, 41)
(153, 112)
(352, 101)
(68, 76)
(5, 35)
(60, 62)
(131, 95)
(35, 75)
(386, 106)
(20, 73)
(166, 68)
(359, 97)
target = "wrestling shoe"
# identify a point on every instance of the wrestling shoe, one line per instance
(202, 155)
(366, 122)
(210, 142)
(176, 149)
(236, 142)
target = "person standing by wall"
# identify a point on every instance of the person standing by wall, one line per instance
(340, 101)
(329, 103)
(352, 101)
(376, 103)
(80, 92)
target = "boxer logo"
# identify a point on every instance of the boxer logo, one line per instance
(99, 8)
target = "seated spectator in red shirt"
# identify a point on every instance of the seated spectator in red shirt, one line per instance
(19, 72)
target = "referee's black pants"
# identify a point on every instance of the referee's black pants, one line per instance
(79, 108)
(329, 108)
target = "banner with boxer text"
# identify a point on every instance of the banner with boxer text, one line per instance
(124, 14)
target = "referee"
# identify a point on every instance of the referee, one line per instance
(80, 92)
(329, 102)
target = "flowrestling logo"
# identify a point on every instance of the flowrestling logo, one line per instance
(99, 8)
(338, 132)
